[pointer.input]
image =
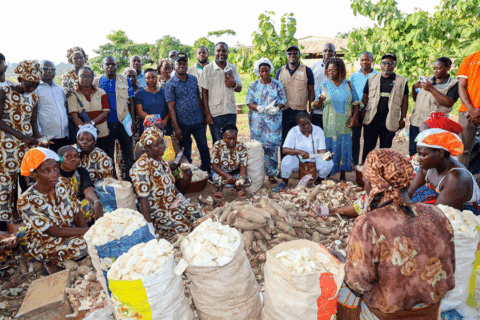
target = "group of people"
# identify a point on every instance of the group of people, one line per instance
(57, 142)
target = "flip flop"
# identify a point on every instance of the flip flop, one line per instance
(239, 193)
(218, 195)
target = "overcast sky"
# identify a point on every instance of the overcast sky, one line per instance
(46, 29)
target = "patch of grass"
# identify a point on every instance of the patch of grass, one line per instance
(241, 97)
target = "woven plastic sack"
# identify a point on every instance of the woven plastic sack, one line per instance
(255, 166)
(158, 296)
(227, 292)
(293, 296)
(114, 194)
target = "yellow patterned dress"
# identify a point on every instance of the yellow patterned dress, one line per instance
(17, 114)
(154, 179)
(69, 81)
(98, 164)
(40, 212)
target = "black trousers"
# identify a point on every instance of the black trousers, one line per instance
(371, 133)
(117, 132)
(356, 134)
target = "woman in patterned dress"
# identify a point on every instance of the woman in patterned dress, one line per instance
(18, 130)
(266, 125)
(78, 58)
(95, 160)
(229, 163)
(160, 201)
(79, 180)
(340, 104)
(55, 225)
(392, 270)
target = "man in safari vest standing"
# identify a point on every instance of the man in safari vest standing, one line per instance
(298, 81)
(120, 95)
(385, 96)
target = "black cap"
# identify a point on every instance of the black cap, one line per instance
(181, 56)
(2, 57)
(390, 55)
(293, 47)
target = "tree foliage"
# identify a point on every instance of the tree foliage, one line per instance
(167, 43)
(418, 38)
(206, 43)
(268, 43)
(220, 33)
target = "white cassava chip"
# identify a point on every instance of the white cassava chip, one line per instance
(304, 261)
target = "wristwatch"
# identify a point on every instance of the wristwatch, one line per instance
(236, 85)
(92, 122)
(404, 119)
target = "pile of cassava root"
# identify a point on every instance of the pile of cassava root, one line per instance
(270, 219)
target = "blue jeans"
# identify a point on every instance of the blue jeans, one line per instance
(412, 145)
(218, 123)
(199, 132)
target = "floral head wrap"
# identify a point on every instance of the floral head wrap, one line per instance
(260, 61)
(150, 135)
(90, 128)
(29, 70)
(388, 172)
(440, 139)
(439, 120)
(152, 120)
(73, 50)
(35, 157)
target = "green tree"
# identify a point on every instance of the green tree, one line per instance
(121, 48)
(167, 43)
(418, 38)
(268, 43)
(206, 43)
(220, 33)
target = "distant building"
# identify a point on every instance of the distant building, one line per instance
(313, 46)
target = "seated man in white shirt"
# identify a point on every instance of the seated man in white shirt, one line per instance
(305, 142)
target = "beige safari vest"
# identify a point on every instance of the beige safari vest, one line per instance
(121, 92)
(394, 101)
(426, 102)
(296, 87)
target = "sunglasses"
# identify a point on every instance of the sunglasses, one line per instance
(296, 53)
(388, 63)
(49, 69)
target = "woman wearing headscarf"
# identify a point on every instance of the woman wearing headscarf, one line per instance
(49, 208)
(160, 201)
(18, 130)
(265, 98)
(441, 179)
(392, 269)
(340, 103)
(78, 58)
(79, 179)
(95, 103)
(164, 70)
(96, 161)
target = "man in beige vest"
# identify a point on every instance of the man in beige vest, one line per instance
(385, 96)
(437, 93)
(120, 95)
(202, 60)
(298, 81)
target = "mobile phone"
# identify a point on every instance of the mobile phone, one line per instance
(4, 226)
(422, 79)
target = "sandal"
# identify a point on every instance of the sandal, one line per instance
(272, 180)
(240, 193)
(218, 195)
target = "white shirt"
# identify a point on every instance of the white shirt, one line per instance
(296, 140)
(4, 84)
(318, 70)
(52, 113)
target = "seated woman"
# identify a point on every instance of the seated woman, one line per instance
(441, 179)
(392, 270)
(79, 179)
(183, 177)
(95, 160)
(229, 163)
(160, 201)
(55, 224)
(301, 143)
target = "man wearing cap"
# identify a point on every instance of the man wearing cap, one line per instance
(318, 70)
(3, 70)
(385, 97)
(219, 80)
(469, 113)
(189, 117)
(136, 63)
(298, 81)
(52, 114)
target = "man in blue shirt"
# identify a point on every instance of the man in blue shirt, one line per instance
(120, 95)
(188, 113)
(359, 79)
(136, 63)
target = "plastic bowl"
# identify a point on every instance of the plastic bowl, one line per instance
(197, 186)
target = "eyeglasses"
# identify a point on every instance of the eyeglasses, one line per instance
(387, 63)
(49, 69)
(296, 53)
(86, 77)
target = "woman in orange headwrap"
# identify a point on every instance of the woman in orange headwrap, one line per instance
(441, 179)
(18, 130)
(392, 270)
